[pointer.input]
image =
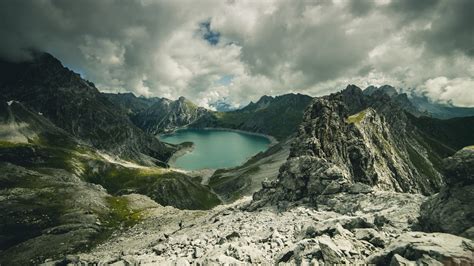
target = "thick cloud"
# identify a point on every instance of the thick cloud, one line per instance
(455, 91)
(240, 50)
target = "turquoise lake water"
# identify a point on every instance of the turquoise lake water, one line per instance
(215, 149)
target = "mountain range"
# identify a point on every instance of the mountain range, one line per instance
(160, 115)
(358, 176)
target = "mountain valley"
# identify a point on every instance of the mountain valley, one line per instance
(357, 176)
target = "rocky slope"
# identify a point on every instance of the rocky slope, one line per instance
(130, 103)
(374, 227)
(59, 195)
(350, 140)
(167, 115)
(451, 210)
(76, 106)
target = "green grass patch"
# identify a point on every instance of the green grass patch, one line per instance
(9, 145)
(164, 186)
(356, 118)
(36, 156)
(120, 213)
(469, 148)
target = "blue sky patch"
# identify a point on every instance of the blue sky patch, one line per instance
(225, 80)
(212, 37)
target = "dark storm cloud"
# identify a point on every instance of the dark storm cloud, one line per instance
(173, 48)
(452, 30)
(409, 9)
(361, 7)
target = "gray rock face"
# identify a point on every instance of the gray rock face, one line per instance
(452, 209)
(350, 138)
(417, 248)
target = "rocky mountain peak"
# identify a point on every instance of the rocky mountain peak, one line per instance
(386, 89)
(44, 85)
(349, 138)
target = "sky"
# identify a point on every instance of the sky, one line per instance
(240, 50)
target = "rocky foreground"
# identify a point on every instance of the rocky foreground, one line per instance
(358, 226)
(375, 227)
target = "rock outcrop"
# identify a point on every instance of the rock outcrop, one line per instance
(348, 139)
(416, 248)
(451, 210)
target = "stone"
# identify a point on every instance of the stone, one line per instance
(159, 249)
(339, 230)
(358, 187)
(285, 255)
(198, 252)
(118, 263)
(427, 260)
(331, 253)
(332, 188)
(398, 260)
(182, 262)
(232, 235)
(371, 235)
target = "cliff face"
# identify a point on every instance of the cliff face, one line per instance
(76, 106)
(349, 142)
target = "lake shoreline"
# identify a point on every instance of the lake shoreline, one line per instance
(185, 149)
(180, 152)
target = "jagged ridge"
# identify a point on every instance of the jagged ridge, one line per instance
(349, 138)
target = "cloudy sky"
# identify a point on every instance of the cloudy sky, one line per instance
(239, 50)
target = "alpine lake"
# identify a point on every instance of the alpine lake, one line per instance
(215, 148)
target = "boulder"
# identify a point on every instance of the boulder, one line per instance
(451, 210)
(416, 246)
(331, 253)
